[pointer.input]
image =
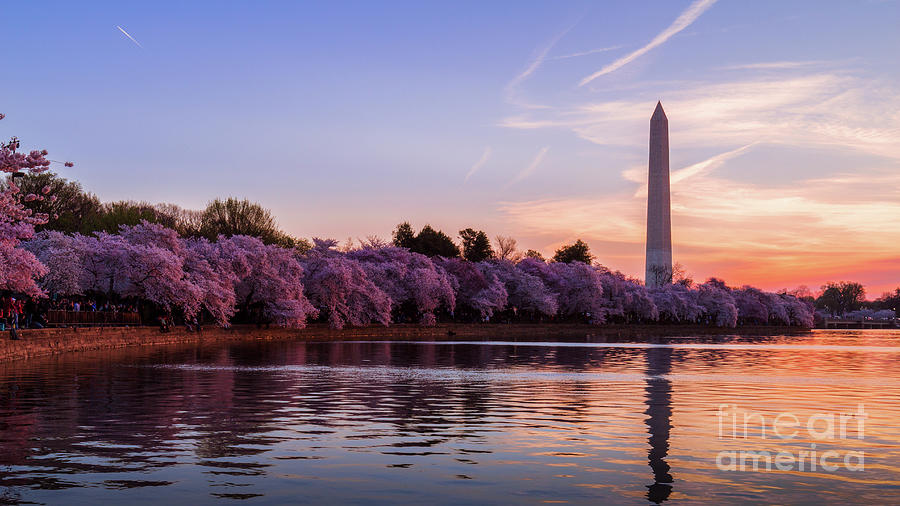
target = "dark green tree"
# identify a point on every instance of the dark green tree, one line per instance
(428, 241)
(534, 254)
(577, 252)
(242, 217)
(476, 246)
(841, 297)
(433, 242)
(889, 300)
(68, 206)
(124, 212)
(404, 236)
(184, 221)
(111, 215)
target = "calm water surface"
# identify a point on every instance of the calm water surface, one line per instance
(456, 422)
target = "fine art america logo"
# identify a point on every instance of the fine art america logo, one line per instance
(816, 434)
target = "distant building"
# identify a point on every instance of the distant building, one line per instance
(659, 220)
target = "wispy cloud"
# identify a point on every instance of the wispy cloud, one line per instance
(539, 57)
(786, 170)
(779, 231)
(479, 164)
(818, 109)
(527, 171)
(772, 235)
(708, 165)
(775, 65)
(683, 21)
(586, 53)
(129, 36)
(694, 170)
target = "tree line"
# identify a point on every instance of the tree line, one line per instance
(71, 209)
(242, 279)
(848, 299)
(230, 263)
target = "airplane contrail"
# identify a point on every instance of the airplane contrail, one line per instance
(479, 164)
(129, 36)
(681, 22)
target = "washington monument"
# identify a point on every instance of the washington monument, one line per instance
(659, 221)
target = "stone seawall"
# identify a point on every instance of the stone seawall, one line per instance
(44, 342)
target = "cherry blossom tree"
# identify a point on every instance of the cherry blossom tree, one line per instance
(638, 304)
(270, 281)
(99, 256)
(64, 260)
(578, 287)
(208, 268)
(777, 308)
(626, 300)
(751, 305)
(884, 314)
(758, 307)
(149, 265)
(801, 312)
(150, 262)
(717, 303)
(478, 291)
(676, 303)
(410, 279)
(19, 267)
(338, 286)
(615, 294)
(525, 292)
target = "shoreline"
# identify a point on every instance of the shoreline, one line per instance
(36, 343)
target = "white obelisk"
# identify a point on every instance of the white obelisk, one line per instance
(659, 220)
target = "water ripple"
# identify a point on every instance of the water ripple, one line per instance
(443, 422)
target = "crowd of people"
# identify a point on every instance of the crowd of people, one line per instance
(21, 313)
(77, 304)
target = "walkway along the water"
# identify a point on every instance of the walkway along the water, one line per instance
(38, 343)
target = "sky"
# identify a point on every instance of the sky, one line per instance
(526, 119)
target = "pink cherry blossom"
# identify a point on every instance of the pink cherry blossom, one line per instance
(269, 280)
(525, 292)
(478, 291)
(338, 287)
(18, 267)
(417, 287)
(578, 287)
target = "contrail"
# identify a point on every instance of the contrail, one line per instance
(585, 53)
(528, 170)
(479, 164)
(129, 36)
(539, 58)
(683, 21)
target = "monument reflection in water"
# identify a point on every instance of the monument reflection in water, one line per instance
(659, 421)
(455, 423)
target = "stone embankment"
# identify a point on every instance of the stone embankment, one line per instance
(44, 342)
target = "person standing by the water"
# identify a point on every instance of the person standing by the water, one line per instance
(10, 312)
(29, 311)
(10, 309)
(20, 313)
(4, 306)
(15, 309)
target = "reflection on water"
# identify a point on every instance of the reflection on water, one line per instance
(659, 410)
(448, 422)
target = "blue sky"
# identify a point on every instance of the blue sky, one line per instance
(347, 117)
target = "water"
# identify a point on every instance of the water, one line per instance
(454, 422)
